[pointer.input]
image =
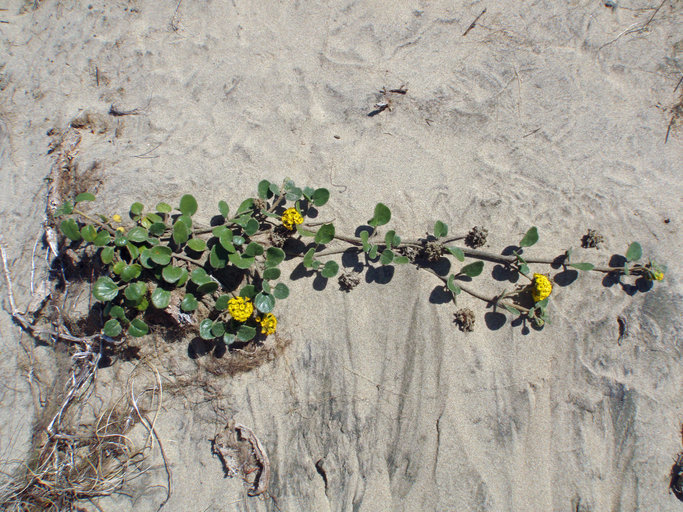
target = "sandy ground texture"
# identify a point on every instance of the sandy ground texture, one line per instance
(561, 115)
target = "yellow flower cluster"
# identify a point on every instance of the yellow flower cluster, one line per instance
(268, 323)
(541, 287)
(240, 308)
(657, 275)
(290, 217)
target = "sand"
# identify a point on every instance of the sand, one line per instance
(547, 114)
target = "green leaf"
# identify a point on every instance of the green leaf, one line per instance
(85, 196)
(161, 298)
(302, 231)
(457, 252)
(582, 266)
(530, 238)
(164, 208)
(243, 262)
(320, 196)
(229, 338)
(245, 333)
(387, 257)
(253, 249)
(157, 229)
(248, 291)
(112, 328)
(105, 289)
(245, 206)
(131, 272)
(136, 209)
(208, 287)
(224, 209)
(171, 274)
(634, 253)
(329, 270)
(65, 209)
(389, 238)
(238, 240)
(205, 329)
(293, 194)
(308, 193)
(218, 257)
(188, 205)
(137, 328)
(325, 234)
(524, 269)
(133, 251)
(382, 215)
(364, 237)
(450, 284)
(137, 235)
(252, 227)
(120, 239)
(222, 302)
(281, 291)
(219, 230)
(153, 217)
(196, 244)
(161, 255)
(372, 253)
(189, 303)
(440, 229)
(102, 239)
(118, 267)
(135, 291)
(199, 276)
(401, 260)
(274, 256)
(145, 257)
(117, 312)
(266, 286)
(473, 269)
(264, 189)
(184, 276)
(70, 229)
(180, 232)
(512, 310)
(218, 329)
(226, 241)
(89, 233)
(186, 219)
(275, 188)
(271, 274)
(308, 258)
(107, 255)
(264, 302)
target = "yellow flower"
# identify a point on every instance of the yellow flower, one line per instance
(268, 323)
(290, 217)
(116, 218)
(541, 287)
(656, 275)
(121, 229)
(240, 308)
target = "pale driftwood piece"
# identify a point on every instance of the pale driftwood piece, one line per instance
(263, 478)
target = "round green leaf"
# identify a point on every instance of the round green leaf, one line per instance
(161, 298)
(245, 206)
(582, 266)
(205, 329)
(265, 285)
(137, 328)
(457, 252)
(238, 240)
(133, 251)
(225, 239)
(161, 255)
(264, 189)
(248, 291)
(107, 255)
(382, 215)
(89, 233)
(325, 234)
(136, 209)
(85, 196)
(189, 303)
(253, 249)
(281, 291)
(145, 256)
(131, 272)
(329, 270)
(186, 219)
(164, 208)
(271, 274)
(530, 238)
(105, 289)
(120, 239)
(184, 276)
(264, 302)
(137, 235)
(102, 239)
(240, 261)
(224, 209)
(218, 257)
(188, 205)
(245, 333)
(196, 244)
(153, 218)
(251, 227)
(400, 260)
(274, 256)
(135, 291)
(199, 276)
(70, 229)
(473, 269)
(387, 257)
(112, 328)
(157, 229)
(218, 329)
(454, 288)
(180, 232)
(320, 196)
(634, 252)
(117, 312)
(440, 229)
(209, 287)
(118, 267)
(222, 302)
(65, 209)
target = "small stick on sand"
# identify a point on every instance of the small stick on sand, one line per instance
(473, 24)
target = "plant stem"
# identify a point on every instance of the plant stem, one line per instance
(111, 230)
